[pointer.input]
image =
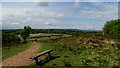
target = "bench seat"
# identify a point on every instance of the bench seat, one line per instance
(40, 54)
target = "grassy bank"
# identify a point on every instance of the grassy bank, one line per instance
(82, 51)
(13, 50)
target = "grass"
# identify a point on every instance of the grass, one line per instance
(43, 36)
(13, 50)
(76, 51)
(0, 54)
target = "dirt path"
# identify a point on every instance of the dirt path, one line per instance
(22, 59)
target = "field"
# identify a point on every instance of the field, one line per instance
(43, 36)
(71, 49)
(84, 50)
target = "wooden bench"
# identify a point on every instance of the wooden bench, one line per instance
(40, 54)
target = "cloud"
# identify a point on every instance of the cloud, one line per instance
(99, 0)
(41, 4)
(27, 19)
(0, 17)
(108, 11)
(54, 17)
(77, 3)
(14, 12)
(100, 11)
(50, 21)
(15, 23)
(60, 15)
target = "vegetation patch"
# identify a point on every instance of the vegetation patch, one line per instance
(83, 51)
(13, 50)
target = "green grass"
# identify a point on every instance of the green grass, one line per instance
(73, 51)
(0, 54)
(13, 50)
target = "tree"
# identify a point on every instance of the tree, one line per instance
(25, 32)
(112, 27)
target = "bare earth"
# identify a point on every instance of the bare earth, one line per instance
(22, 59)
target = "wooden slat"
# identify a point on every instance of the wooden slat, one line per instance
(42, 53)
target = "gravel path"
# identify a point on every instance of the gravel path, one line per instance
(22, 59)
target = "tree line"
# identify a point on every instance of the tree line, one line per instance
(14, 36)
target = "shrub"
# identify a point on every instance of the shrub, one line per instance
(112, 27)
(9, 38)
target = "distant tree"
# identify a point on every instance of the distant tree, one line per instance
(25, 32)
(112, 27)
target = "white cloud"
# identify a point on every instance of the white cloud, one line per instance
(60, 15)
(106, 11)
(0, 16)
(77, 3)
(42, 17)
(41, 4)
(59, 0)
(50, 21)
(15, 23)
(14, 12)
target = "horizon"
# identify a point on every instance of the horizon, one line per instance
(56, 29)
(58, 15)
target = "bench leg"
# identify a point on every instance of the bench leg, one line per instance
(36, 60)
(49, 55)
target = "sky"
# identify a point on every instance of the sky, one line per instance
(57, 15)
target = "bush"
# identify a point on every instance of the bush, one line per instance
(112, 27)
(9, 38)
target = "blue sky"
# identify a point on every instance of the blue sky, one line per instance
(58, 15)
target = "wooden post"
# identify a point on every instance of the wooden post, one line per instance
(49, 55)
(36, 60)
